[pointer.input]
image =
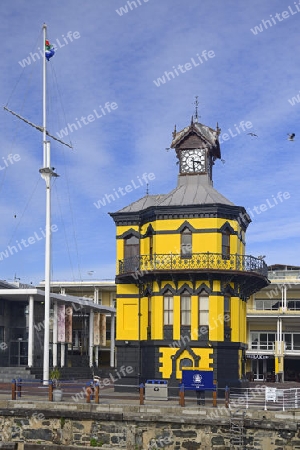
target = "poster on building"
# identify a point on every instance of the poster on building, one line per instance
(68, 327)
(96, 328)
(61, 315)
(103, 329)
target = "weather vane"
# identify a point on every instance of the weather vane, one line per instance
(196, 103)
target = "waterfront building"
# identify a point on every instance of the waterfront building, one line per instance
(183, 278)
(273, 319)
(82, 324)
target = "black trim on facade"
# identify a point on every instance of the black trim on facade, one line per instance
(153, 213)
(246, 283)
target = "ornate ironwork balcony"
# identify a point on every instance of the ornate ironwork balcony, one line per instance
(196, 261)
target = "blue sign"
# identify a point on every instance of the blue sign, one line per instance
(198, 379)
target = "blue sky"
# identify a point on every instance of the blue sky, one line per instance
(113, 58)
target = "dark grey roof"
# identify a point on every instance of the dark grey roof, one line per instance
(190, 190)
(210, 135)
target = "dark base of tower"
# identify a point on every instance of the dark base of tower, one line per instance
(141, 362)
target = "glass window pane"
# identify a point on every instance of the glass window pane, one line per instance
(296, 337)
(259, 304)
(186, 243)
(185, 310)
(168, 310)
(203, 310)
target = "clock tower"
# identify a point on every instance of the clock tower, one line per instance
(197, 147)
(183, 277)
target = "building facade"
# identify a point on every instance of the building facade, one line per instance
(82, 325)
(183, 278)
(273, 327)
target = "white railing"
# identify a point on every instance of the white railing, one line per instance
(265, 397)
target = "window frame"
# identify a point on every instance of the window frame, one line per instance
(186, 242)
(168, 311)
(185, 309)
(226, 244)
(203, 298)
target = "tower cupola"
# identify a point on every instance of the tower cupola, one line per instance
(197, 147)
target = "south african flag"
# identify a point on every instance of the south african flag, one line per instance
(49, 50)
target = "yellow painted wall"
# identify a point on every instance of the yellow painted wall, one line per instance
(128, 308)
(127, 323)
(170, 243)
(143, 318)
(194, 317)
(166, 360)
(216, 316)
(176, 317)
(237, 331)
(157, 318)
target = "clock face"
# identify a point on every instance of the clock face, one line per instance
(193, 161)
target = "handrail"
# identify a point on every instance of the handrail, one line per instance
(142, 264)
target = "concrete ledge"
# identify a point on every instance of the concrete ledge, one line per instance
(51, 447)
(287, 420)
(8, 445)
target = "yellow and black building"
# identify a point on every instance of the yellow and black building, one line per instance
(183, 278)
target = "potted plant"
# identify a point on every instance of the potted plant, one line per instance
(55, 375)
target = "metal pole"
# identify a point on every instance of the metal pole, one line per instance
(47, 178)
(30, 331)
(91, 338)
(46, 173)
(112, 340)
(54, 350)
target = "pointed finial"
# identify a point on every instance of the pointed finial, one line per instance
(192, 120)
(196, 103)
(147, 189)
(174, 132)
(218, 130)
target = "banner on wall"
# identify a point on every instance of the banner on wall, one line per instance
(103, 329)
(96, 328)
(61, 316)
(68, 327)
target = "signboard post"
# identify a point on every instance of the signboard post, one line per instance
(199, 381)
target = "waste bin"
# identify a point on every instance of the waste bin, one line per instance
(156, 390)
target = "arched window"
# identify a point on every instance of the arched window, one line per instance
(168, 308)
(185, 362)
(131, 247)
(226, 244)
(131, 254)
(186, 243)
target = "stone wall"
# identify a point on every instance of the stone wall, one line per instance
(37, 425)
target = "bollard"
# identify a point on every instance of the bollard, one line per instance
(50, 391)
(88, 392)
(19, 387)
(13, 389)
(181, 395)
(141, 394)
(97, 393)
(227, 394)
(214, 399)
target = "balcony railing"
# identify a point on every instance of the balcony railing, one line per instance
(143, 264)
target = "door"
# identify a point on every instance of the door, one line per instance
(18, 355)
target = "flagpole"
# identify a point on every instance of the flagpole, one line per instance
(46, 173)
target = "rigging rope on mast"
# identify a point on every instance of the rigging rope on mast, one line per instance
(36, 126)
